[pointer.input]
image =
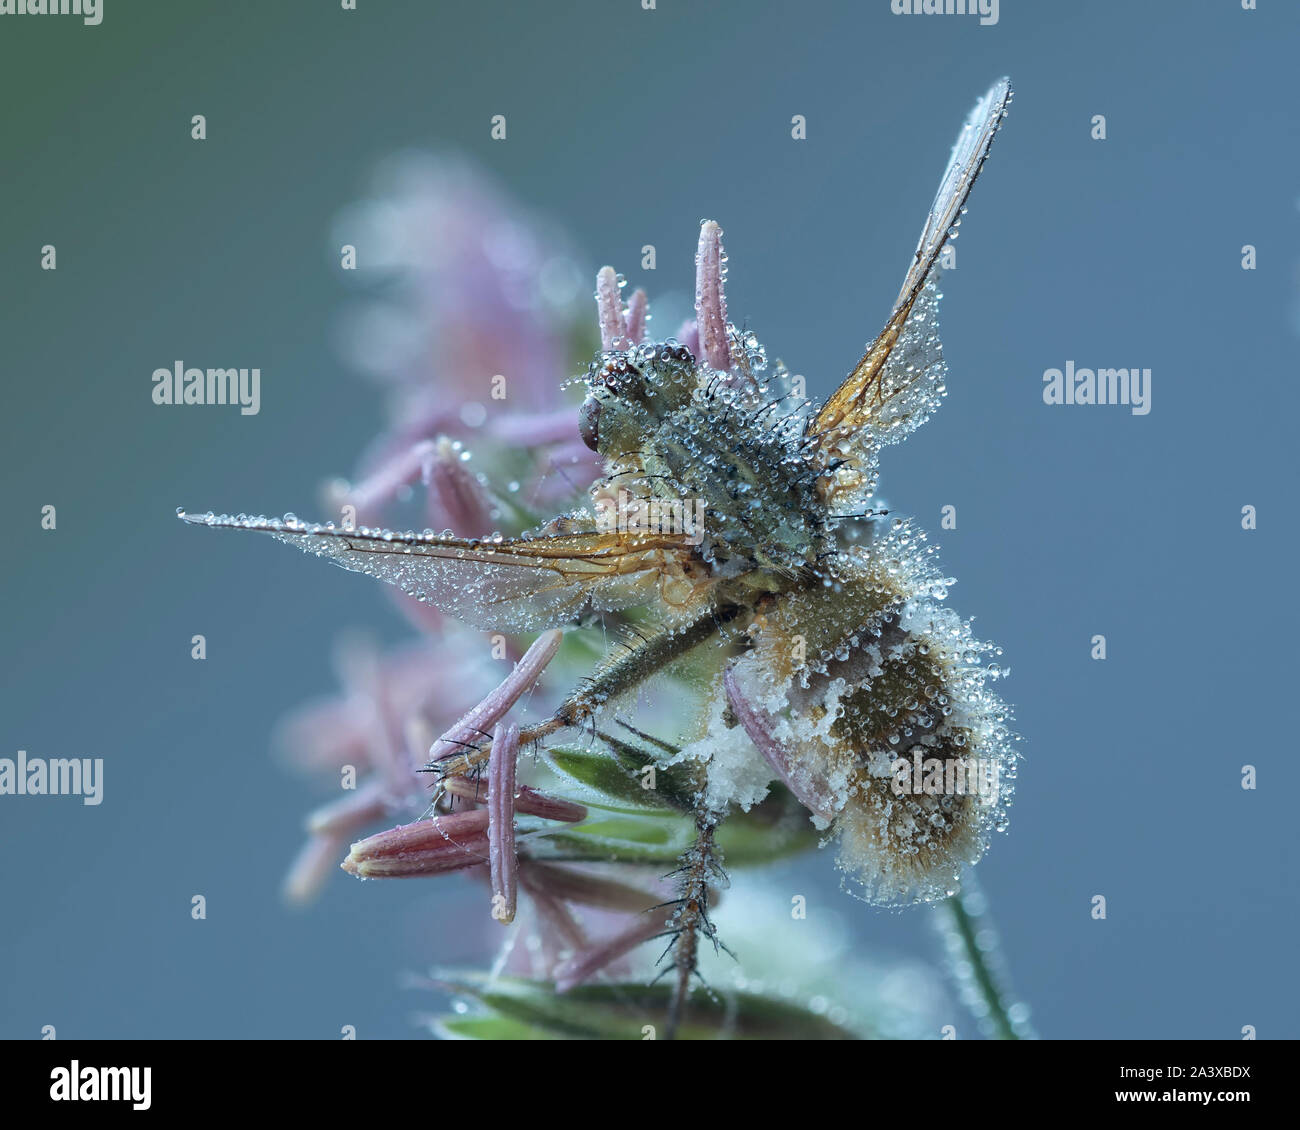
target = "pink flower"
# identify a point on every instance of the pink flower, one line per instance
(477, 300)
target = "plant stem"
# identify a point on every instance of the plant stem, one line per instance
(978, 965)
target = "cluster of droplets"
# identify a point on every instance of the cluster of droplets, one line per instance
(644, 367)
(889, 672)
(912, 382)
(747, 352)
(672, 425)
(929, 702)
(336, 537)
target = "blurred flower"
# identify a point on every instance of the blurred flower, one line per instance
(373, 739)
(475, 306)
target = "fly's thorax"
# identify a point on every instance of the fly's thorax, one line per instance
(759, 492)
(676, 430)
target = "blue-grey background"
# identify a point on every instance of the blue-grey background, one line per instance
(626, 127)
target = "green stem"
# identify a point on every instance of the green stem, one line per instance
(967, 920)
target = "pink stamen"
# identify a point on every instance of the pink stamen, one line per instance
(501, 825)
(710, 301)
(492, 709)
(637, 308)
(609, 309)
(586, 963)
(348, 815)
(813, 794)
(689, 336)
(382, 485)
(457, 501)
(427, 847)
(528, 801)
(313, 865)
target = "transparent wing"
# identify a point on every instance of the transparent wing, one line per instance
(911, 381)
(968, 156)
(899, 380)
(507, 584)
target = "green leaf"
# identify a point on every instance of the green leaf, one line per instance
(626, 1011)
(488, 1026)
(649, 839)
(634, 829)
(776, 828)
(616, 777)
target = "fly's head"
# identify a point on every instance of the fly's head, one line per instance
(631, 394)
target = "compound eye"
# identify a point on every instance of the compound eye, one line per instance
(589, 421)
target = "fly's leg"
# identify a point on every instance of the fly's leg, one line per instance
(619, 676)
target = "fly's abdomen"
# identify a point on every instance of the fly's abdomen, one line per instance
(883, 703)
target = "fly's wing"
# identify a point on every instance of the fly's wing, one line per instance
(899, 380)
(968, 156)
(505, 584)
